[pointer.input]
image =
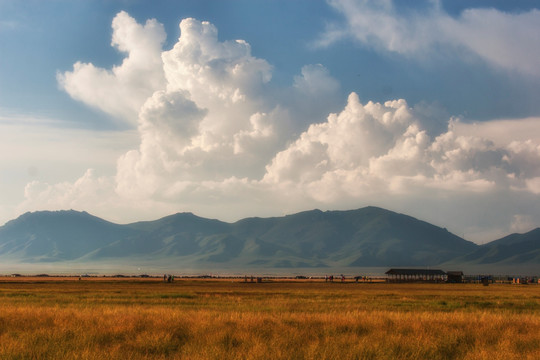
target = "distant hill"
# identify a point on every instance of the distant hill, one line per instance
(57, 235)
(512, 249)
(367, 237)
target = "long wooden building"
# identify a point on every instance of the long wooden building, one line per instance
(415, 275)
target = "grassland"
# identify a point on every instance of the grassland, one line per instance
(224, 319)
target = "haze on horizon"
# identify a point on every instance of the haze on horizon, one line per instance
(132, 110)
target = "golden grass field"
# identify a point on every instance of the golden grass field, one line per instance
(229, 319)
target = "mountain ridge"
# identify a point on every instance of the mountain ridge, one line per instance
(365, 237)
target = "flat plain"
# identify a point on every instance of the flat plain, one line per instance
(130, 318)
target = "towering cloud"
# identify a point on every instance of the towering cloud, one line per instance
(210, 122)
(382, 148)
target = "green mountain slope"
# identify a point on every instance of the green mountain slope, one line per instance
(365, 237)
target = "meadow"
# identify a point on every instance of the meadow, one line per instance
(104, 318)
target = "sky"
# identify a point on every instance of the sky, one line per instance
(132, 110)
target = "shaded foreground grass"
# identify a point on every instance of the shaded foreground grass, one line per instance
(210, 319)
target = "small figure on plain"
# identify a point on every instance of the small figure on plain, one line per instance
(342, 278)
(325, 278)
(164, 277)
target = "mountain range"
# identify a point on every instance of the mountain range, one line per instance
(366, 237)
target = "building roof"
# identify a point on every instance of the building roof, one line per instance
(415, 272)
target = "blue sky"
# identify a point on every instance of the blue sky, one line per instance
(265, 108)
(40, 38)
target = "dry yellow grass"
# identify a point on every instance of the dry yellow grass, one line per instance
(127, 319)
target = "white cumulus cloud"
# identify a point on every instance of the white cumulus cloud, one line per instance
(210, 122)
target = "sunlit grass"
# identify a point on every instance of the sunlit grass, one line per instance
(135, 319)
